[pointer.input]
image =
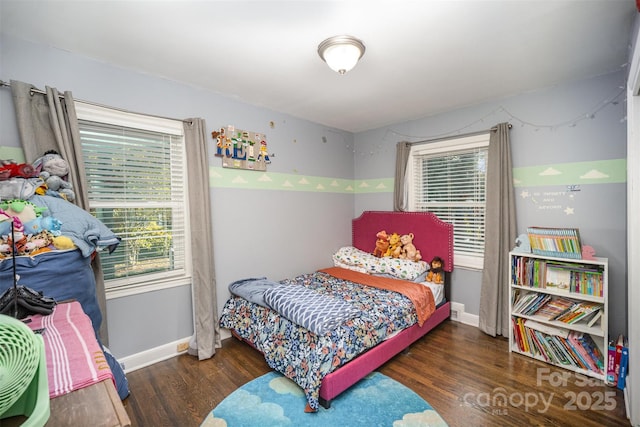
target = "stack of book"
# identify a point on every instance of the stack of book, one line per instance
(556, 242)
(556, 345)
(557, 308)
(582, 279)
(529, 303)
(586, 279)
(581, 312)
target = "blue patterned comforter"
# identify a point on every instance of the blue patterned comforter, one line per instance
(305, 357)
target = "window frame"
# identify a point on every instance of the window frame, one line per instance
(151, 281)
(446, 147)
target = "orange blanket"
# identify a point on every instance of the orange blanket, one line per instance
(420, 295)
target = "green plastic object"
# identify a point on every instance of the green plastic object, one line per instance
(24, 387)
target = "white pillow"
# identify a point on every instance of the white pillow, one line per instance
(355, 259)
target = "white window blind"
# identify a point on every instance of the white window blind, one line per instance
(138, 189)
(448, 178)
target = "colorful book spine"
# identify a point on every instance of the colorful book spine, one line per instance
(577, 278)
(616, 364)
(611, 364)
(624, 364)
(574, 338)
(558, 242)
(559, 346)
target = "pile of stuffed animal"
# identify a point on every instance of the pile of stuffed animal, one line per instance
(24, 227)
(396, 246)
(401, 246)
(48, 175)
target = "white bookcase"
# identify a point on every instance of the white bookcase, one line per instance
(540, 286)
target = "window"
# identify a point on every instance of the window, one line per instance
(448, 178)
(134, 167)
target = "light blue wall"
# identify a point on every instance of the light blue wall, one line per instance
(258, 232)
(562, 126)
(273, 233)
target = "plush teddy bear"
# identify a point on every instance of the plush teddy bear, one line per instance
(395, 246)
(436, 274)
(409, 250)
(54, 170)
(382, 244)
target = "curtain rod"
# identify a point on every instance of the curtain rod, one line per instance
(444, 138)
(41, 92)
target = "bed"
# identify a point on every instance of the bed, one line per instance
(325, 361)
(58, 266)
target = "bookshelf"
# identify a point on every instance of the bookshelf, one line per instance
(558, 311)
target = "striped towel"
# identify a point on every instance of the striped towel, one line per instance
(74, 357)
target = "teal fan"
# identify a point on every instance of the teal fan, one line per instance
(24, 388)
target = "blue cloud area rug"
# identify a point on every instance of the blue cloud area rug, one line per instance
(274, 400)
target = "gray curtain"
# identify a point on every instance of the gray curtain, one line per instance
(500, 235)
(48, 121)
(207, 331)
(403, 149)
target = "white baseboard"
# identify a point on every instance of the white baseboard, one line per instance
(153, 355)
(169, 350)
(459, 315)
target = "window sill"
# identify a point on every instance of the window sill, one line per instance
(468, 262)
(142, 288)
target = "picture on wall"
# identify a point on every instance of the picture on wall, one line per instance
(241, 149)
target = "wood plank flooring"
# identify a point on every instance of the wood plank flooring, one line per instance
(469, 378)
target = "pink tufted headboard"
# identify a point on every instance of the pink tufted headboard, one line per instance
(432, 237)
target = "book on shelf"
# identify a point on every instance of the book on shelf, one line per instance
(593, 350)
(558, 242)
(624, 365)
(558, 351)
(570, 277)
(546, 351)
(558, 345)
(619, 345)
(555, 307)
(592, 319)
(611, 364)
(587, 359)
(529, 303)
(557, 277)
(579, 312)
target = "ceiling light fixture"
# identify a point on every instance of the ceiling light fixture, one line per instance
(341, 53)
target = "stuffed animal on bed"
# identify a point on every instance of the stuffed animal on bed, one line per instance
(409, 250)
(435, 274)
(382, 244)
(395, 247)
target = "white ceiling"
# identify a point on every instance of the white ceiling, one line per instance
(422, 57)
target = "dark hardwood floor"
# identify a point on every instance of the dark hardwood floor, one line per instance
(469, 378)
